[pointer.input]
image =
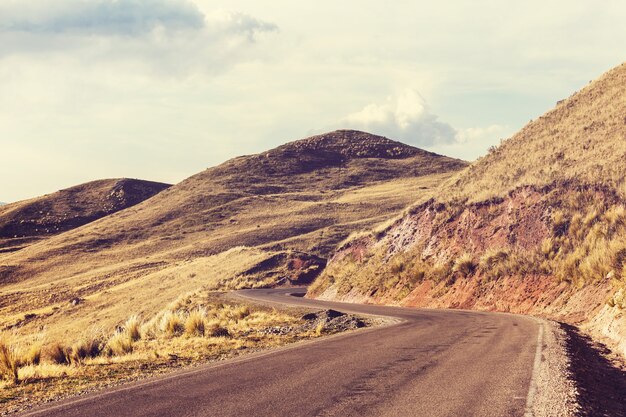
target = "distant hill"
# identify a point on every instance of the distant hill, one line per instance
(265, 219)
(73, 207)
(536, 226)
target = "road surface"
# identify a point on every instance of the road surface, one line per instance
(431, 363)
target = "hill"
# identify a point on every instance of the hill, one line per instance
(536, 226)
(27, 221)
(582, 138)
(258, 220)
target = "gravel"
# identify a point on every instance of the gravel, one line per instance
(555, 390)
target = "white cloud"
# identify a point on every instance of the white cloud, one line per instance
(98, 17)
(405, 117)
(489, 133)
(472, 142)
(166, 36)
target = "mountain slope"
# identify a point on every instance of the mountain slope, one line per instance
(68, 209)
(537, 226)
(254, 220)
(582, 138)
(73, 207)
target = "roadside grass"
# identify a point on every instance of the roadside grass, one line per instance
(196, 328)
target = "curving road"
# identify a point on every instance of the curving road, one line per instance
(431, 363)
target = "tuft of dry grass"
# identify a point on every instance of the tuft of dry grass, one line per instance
(133, 328)
(10, 360)
(57, 353)
(121, 343)
(172, 323)
(216, 329)
(89, 346)
(195, 324)
(464, 265)
(32, 355)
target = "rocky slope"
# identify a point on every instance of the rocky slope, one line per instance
(257, 220)
(538, 226)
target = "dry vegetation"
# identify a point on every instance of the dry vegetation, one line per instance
(582, 138)
(25, 222)
(213, 230)
(584, 243)
(196, 328)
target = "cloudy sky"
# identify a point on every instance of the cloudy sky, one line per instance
(161, 89)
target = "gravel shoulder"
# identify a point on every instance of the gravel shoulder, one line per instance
(576, 376)
(554, 391)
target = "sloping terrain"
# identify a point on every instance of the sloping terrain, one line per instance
(256, 220)
(537, 226)
(30, 220)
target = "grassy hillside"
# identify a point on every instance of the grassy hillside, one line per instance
(254, 220)
(27, 221)
(536, 226)
(582, 138)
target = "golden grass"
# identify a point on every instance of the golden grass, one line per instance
(581, 138)
(142, 273)
(10, 360)
(195, 323)
(229, 329)
(121, 343)
(464, 264)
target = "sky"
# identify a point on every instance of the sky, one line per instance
(162, 89)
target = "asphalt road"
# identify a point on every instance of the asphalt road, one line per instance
(431, 363)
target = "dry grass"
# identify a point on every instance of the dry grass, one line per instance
(581, 138)
(10, 360)
(121, 343)
(57, 353)
(212, 329)
(154, 262)
(195, 323)
(464, 265)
